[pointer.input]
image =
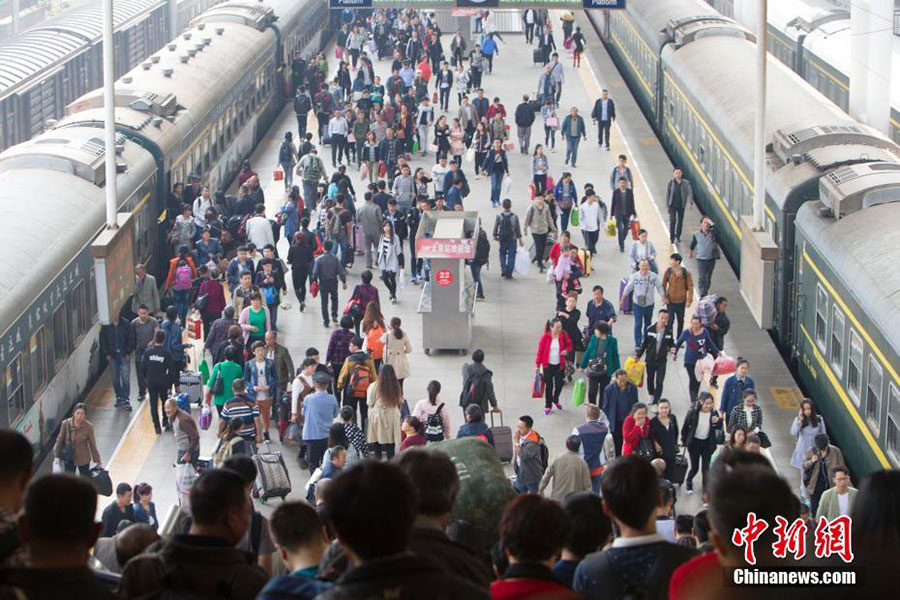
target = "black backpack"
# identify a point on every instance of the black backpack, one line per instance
(505, 229)
(284, 153)
(434, 426)
(473, 392)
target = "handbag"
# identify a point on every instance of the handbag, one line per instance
(218, 384)
(278, 174)
(314, 289)
(101, 480)
(65, 451)
(205, 418)
(552, 122)
(764, 441)
(537, 386)
(645, 449)
(597, 366)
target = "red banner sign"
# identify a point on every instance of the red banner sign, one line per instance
(436, 248)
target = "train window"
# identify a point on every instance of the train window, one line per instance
(60, 350)
(854, 366)
(92, 287)
(15, 391)
(873, 393)
(78, 317)
(893, 422)
(837, 341)
(801, 260)
(821, 317)
(36, 358)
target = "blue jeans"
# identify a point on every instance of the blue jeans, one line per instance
(496, 183)
(476, 276)
(564, 219)
(121, 378)
(642, 317)
(525, 488)
(507, 257)
(595, 483)
(288, 174)
(572, 149)
(182, 298)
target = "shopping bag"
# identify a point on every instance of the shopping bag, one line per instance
(382, 169)
(532, 191)
(58, 466)
(363, 170)
(314, 289)
(432, 147)
(579, 389)
(724, 365)
(185, 478)
(509, 146)
(205, 418)
(100, 478)
(703, 366)
(278, 174)
(434, 98)
(415, 147)
(523, 262)
(470, 155)
(611, 228)
(537, 386)
(635, 228)
(507, 185)
(635, 370)
(568, 44)
(338, 52)
(204, 372)
(401, 280)
(575, 217)
(549, 182)
(293, 435)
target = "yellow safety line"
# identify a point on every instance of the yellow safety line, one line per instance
(851, 407)
(852, 316)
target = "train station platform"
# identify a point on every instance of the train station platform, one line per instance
(508, 324)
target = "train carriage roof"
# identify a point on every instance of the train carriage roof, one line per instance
(652, 16)
(862, 249)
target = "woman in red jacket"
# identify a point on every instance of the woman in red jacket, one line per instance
(553, 348)
(636, 428)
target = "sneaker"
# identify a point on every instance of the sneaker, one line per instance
(266, 436)
(326, 324)
(127, 406)
(557, 405)
(302, 306)
(393, 300)
(689, 488)
(480, 298)
(157, 429)
(548, 411)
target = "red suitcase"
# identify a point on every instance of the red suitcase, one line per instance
(626, 305)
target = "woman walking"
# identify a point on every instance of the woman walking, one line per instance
(806, 426)
(553, 350)
(697, 344)
(426, 409)
(396, 347)
(76, 444)
(540, 169)
(383, 398)
(635, 430)
(373, 328)
(390, 258)
(262, 383)
(600, 360)
(540, 221)
(481, 143)
(551, 124)
(664, 431)
(441, 138)
(457, 142)
(701, 427)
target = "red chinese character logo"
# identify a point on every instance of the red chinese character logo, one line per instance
(748, 535)
(791, 538)
(834, 538)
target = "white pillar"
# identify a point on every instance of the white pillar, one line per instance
(173, 19)
(109, 114)
(15, 17)
(759, 130)
(871, 49)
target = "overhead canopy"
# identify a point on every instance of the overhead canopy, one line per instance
(501, 4)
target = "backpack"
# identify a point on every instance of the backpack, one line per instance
(473, 392)
(183, 278)
(360, 379)
(706, 309)
(284, 153)
(302, 104)
(434, 426)
(545, 455)
(271, 295)
(505, 230)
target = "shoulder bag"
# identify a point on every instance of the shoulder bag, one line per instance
(66, 453)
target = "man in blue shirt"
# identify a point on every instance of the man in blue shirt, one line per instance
(600, 309)
(319, 410)
(618, 398)
(300, 540)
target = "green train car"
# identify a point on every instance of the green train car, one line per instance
(848, 313)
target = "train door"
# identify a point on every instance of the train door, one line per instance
(784, 281)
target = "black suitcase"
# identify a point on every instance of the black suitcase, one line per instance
(537, 56)
(679, 468)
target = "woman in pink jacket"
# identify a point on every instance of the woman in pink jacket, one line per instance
(553, 348)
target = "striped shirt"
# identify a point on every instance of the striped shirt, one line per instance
(246, 410)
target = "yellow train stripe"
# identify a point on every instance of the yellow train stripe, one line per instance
(699, 169)
(638, 36)
(634, 67)
(822, 70)
(862, 330)
(850, 406)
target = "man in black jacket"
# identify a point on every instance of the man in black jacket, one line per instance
(413, 218)
(456, 172)
(116, 347)
(524, 121)
(302, 106)
(160, 373)
(371, 507)
(389, 150)
(622, 209)
(657, 343)
(603, 114)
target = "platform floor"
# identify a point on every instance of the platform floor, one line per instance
(507, 326)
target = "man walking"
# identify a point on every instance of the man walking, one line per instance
(369, 217)
(302, 106)
(327, 270)
(507, 232)
(187, 438)
(703, 243)
(160, 373)
(144, 327)
(527, 447)
(557, 75)
(622, 209)
(319, 410)
(657, 343)
(312, 171)
(568, 471)
(117, 346)
(604, 114)
(146, 291)
(573, 129)
(618, 398)
(597, 447)
(678, 291)
(678, 195)
(524, 121)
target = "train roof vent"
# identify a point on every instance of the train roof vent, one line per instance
(854, 188)
(685, 30)
(786, 143)
(815, 21)
(258, 16)
(77, 151)
(157, 104)
(830, 157)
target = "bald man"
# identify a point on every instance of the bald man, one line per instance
(187, 438)
(133, 540)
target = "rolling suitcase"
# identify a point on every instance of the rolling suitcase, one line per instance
(537, 56)
(503, 442)
(626, 305)
(679, 468)
(192, 385)
(272, 477)
(586, 261)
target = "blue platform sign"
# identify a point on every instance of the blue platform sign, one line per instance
(605, 4)
(477, 3)
(350, 3)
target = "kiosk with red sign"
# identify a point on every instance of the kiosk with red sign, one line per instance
(446, 240)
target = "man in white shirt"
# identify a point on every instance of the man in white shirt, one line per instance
(337, 131)
(603, 114)
(259, 229)
(557, 75)
(592, 216)
(438, 172)
(424, 122)
(201, 204)
(529, 17)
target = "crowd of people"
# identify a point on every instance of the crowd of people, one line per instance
(597, 520)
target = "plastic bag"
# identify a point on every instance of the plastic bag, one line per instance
(507, 185)
(401, 280)
(293, 435)
(579, 389)
(363, 170)
(523, 262)
(611, 228)
(704, 365)
(724, 365)
(635, 370)
(205, 418)
(185, 478)
(575, 217)
(58, 466)
(537, 386)
(204, 372)
(551, 278)
(470, 155)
